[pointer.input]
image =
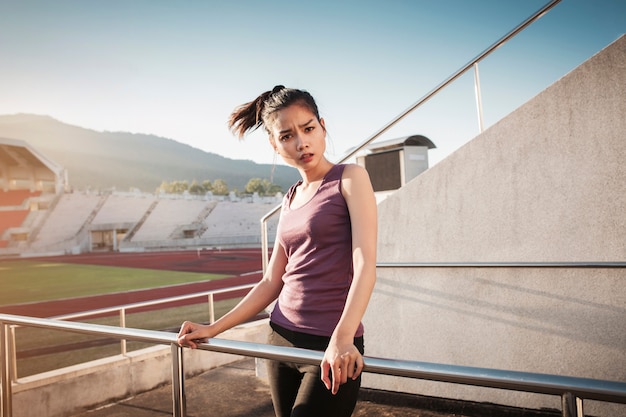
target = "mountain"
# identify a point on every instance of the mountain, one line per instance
(103, 160)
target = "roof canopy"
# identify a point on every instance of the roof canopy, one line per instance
(413, 140)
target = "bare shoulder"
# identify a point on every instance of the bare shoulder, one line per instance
(355, 172)
(355, 179)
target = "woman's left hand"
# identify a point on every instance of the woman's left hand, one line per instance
(341, 361)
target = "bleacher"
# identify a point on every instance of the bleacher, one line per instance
(29, 182)
(39, 215)
(16, 197)
(10, 219)
(66, 219)
(150, 221)
(238, 219)
(13, 211)
(167, 216)
(122, 209)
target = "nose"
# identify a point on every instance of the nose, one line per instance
(302, 142)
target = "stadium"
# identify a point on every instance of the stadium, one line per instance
(41, 216)
(508, 255)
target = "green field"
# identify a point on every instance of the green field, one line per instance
(47, 341)
(30, 281)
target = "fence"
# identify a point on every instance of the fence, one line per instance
(571, 390)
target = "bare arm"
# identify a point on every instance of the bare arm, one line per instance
(259, 297)
(342, 360)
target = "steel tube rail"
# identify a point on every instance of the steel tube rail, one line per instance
(264, 237)
(151, 302)
(456, 75)
(150, 336)
(5, 374)
(421, 101)
(583, 388)
(590, 264)
(139, 335)
(121, 309)
(179, 403)
(609, 391)
(479, 100)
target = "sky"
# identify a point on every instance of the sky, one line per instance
(177, 69)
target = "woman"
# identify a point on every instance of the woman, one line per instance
(323, 266)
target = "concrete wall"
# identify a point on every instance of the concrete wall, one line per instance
(546, 183)
(70, 390)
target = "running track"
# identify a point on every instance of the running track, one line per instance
(242, 265)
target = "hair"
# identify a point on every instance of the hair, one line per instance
(250, 116)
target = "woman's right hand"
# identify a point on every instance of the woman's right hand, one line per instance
(191, 334)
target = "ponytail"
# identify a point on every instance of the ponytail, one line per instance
(254, 114)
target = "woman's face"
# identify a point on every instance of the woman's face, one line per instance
(298, 136)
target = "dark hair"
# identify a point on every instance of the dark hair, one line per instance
(250, 116)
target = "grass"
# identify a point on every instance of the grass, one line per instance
(171, 318)
(25, 281)
(30, 281)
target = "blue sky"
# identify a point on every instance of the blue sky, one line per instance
(176, 69)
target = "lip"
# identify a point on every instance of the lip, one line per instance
(306, 157)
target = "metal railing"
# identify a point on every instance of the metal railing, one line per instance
(471, 64)
(584, 264)
(121, 310)
(572, 390)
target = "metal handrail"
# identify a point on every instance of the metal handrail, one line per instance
(122, 309)
(472, 63)
(571, 389)
(588, 264)
(158, 301)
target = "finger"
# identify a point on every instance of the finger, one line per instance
(187, 341)
(325, 368)
(191, 339)
(336, 380)
(184, 341)
(350, 370)
(344, 373)
(345, 367)
(186, 328)
(183, 329)
(359, 367)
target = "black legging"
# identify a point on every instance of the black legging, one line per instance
(297, 390)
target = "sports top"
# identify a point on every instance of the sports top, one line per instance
(317, 239)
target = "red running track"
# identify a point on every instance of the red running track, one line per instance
(243, 264)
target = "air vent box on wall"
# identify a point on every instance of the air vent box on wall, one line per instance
(393, 163)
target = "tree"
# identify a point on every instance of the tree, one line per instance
(262, 187)
(220, 187)
(196, 188)
(163, 187)
(255, 185)
(179, 187)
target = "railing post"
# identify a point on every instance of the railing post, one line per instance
(178, 382)
(5, 378)
(211, 308)
(12, 354)
(123, 325)
(479, 100)
(264, 244)
(569, 405)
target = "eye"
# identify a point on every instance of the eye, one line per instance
(285, 138)
(309, 128)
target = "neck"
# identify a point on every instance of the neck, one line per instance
(315, 174)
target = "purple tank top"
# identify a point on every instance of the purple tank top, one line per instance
(317, 239)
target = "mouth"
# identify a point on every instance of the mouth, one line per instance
(306, 157)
